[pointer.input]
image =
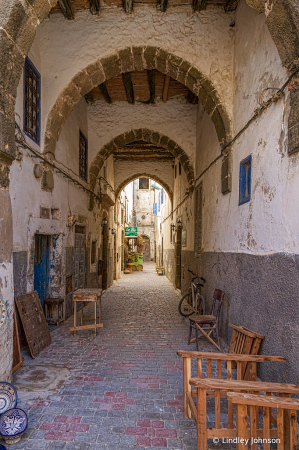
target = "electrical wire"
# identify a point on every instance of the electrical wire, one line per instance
(274, 97)
(20, 139)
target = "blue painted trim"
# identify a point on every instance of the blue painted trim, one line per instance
(243, 181)
(37, 74)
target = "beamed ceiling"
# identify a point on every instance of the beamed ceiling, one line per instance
(70, 7)
(144, 86)
(140, 150)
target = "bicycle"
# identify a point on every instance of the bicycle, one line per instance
(193, 302)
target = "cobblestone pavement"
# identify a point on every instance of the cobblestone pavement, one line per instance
(125, 385)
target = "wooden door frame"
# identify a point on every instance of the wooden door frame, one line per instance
(178, 258)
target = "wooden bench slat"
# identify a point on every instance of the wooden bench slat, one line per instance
(256, 386)
(229, 356)
(264, 401)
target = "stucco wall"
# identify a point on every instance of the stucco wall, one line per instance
(176, 118)
(205, 40)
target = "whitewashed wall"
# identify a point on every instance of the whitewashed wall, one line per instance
(204, 40)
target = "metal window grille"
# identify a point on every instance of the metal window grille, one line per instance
(31, 101)
(198, 221)
(82, 156)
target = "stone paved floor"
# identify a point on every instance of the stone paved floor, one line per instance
(125, 385)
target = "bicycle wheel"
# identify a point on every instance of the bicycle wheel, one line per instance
(201, 305)
(185, 305)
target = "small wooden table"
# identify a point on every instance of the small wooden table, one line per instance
(87, 295)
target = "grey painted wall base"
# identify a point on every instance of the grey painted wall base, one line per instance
(261, 294)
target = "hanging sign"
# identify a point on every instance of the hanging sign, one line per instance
(131, 231)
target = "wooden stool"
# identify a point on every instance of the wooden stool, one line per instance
(87, 295)
(54, 310)
(131, 265)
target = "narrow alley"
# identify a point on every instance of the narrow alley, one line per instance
(125, 386)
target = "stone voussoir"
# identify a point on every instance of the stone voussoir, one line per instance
(126, 60)
(111, 65)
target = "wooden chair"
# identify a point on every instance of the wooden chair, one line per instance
(219, 360)
(197, 322)
(285, 431)
(222, 389)
(245, 342)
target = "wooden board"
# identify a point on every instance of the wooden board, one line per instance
(17, 360)
(34, 322)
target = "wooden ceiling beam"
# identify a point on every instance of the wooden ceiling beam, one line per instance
(164, 155)
(199, 5)
(152, 85)
(166, 88)
(231, 5)
(105, 92)
(89, 98)
(143, 157)
(128, 6)
(192, 98)
(67, 9)
(162, 5)
(129, 87)
(95, 6)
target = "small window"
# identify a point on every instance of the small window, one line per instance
(82, 156)
(245, 180)
(175, 171)
(180, 168)
(105, 174)
(31, 101)
(143, 183)
(93, 252)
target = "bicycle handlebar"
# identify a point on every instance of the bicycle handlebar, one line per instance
(196, 276)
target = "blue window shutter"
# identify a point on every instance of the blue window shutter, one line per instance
(159, 201)
(162, 197)
(245, 180)
(155, 208)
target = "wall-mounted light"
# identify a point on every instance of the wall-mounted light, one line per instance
(173, 227)
(179, 224)
(113, 231)
(105, 221)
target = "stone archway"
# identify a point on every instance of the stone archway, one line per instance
(135, 59)
(145, 175)
(18, 23)
(145, 135)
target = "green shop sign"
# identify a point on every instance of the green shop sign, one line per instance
(131, 231)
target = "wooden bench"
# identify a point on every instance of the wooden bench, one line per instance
(187, 356)
(285, 431)
(221, 388)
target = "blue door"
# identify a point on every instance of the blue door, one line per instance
(41, 266)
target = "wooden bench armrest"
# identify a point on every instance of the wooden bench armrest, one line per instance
(230, 356)
(263, 401)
